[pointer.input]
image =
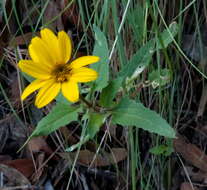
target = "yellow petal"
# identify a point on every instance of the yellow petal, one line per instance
(83, 74)
(83, 61)
(40, 52)
(35, 85)
(65, 46)
(36, 70)
(47, 93)
(52, 43)
(70, 91)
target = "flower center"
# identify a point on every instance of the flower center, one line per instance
(61, 73)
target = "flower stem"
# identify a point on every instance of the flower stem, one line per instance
(90, 105)
(96, 108)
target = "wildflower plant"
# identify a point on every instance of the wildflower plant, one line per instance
(56, 72)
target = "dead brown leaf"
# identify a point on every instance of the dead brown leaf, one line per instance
(40, 148)
(22, 39)
(52, 16)
(38, 144)
(4, 158)
(68, 135)
(196, 176)
(12, 129)
(13, 177)
(25, 166)
(86, 157)
(71, 14)
(187, 186)
(199, 176)
(191, 153)
(15, 91)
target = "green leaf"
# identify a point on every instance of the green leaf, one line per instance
(136, 19)
(102, 67)
(167, 35)
(28, 77)
(143, 56)
(139, 61)
(95, 122)
(62, 100)
(130, 113)
(157, 150)
(60, 115)
(159, 78)
(161, 149)
(109, 92)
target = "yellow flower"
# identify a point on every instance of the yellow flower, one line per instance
(50, 54)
